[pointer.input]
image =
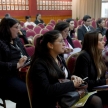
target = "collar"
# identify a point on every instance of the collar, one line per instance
(87, 28)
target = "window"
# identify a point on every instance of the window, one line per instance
(104, 9)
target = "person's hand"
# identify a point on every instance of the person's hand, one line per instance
(76, 80)
(20, 32)
(68, 50)
(21, 61)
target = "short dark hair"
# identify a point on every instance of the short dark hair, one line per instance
(27, 17)
(5, 25)
(69, 19)
(61, 26)
(86, 17)
(98, 22)
(7, 15)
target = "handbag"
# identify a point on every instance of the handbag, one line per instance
(68, 99)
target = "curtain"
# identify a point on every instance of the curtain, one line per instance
(86, 7)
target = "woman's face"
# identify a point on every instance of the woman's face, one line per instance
(101, 42)
(65, 32)
(71, 25)
(102, 24)
(14, 30)
(58, 45)
(39, 16)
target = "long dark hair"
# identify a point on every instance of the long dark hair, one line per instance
(90, 44)
(5, 25)
(106, 38)
(37, 15)
(42, 51)
(61, 26)
(69, 20)
(98, 22)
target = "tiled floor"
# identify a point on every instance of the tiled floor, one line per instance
(9, 104)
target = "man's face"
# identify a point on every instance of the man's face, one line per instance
(88, 22)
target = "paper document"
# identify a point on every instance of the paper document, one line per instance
(83, 100)
(76, 50)
(100, 88)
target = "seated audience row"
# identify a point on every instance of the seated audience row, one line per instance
(86, 27)
(47, 67)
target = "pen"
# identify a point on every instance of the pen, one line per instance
(84, 78)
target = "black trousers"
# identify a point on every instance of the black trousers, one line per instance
(14, 89)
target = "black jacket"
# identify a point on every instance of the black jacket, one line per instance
(41, 21)
(102, 30)
(85, 67)
(46, 88)
(7, 67)
(82, 31)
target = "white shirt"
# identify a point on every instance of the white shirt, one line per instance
(29, 23)
(87, 28)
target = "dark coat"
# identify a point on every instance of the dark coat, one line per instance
(82, 31)
(102, 30)
(85, 67)
(7, 67)
(46, 88)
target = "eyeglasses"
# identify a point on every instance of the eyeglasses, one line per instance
(61, 41)
(66, 31)
(89, 21)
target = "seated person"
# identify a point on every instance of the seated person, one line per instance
(100, 26)
(7, 15)
(85, 28)
(105, 51)
(22, 34)
(63, 27)
(28, 21)
(12, 57)
(91, 64)
(71, 27)
(39, 20)
(47, 67)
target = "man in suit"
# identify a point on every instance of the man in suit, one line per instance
(85, 28)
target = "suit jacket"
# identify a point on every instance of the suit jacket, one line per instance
(85, 67)
(8, 68)
(82, 31)
(46, 88)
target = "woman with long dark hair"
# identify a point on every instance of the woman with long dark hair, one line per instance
(90, 63)
(39, 20)
(63, 27)
(100, 26)
(71, 27)
(47, 67)
(12, 56)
